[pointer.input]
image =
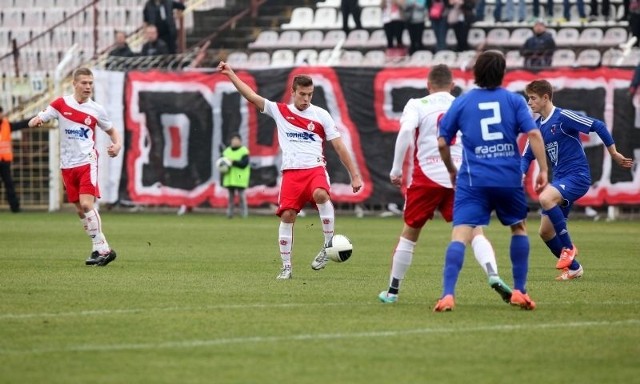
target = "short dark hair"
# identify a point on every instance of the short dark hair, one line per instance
(440, 76)
(301, 81)
(540, 87)
(489, 69)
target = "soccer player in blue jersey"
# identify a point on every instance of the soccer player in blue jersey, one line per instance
(561, 130)
(490, 119)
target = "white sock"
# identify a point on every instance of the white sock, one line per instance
(486, 257)
(94, 230)
(328, 220)
(402, 257)
(285, 241)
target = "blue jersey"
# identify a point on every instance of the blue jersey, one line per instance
(561, 134)
(490, 121)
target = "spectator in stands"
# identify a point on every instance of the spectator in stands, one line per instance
(497, 11)
(6, 158)
(605, 4)
(393, 23)
(536, 9)
(415, 17)
(160, 14)
(121, 47)
(634, 20)
(625, 7)
(566, 13)
(350, 7)
(154, 46)
(635, 82)
(438, 17)
(538, 49)
(460, 18)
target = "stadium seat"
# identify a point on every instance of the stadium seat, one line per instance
(420, 59)
(328, 57)
(514, 59)
(377, 39)
(369, 3)
(614, 37)
(428, 38)
(259, 60)
(351, 58)
(445, 57)
(466, 59)
(333, 38)
(34, 17)
(21, 35)
(498, 37)
(282, 58)
(611, 57)
(589, 58)
(289, 39)
(374, 58)
(519, 36)
(563, 58)
(301, 18)
(590, 37)
(357, 38)
(328, 3)
(265, 39)
(56, 15)
(306, 57)
(567, 37)
(238, 60)
(12, 17)
(477, 37)
(326, 18)
(371, 17)
(311, 39)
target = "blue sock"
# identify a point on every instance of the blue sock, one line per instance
(555, 245)
(519, 252)
(454, 257)
(560, 225)
(574, 265)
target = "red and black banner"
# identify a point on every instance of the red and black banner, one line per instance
(176, 125)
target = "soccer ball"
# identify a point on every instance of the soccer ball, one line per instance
(339, 248)
(223, 164)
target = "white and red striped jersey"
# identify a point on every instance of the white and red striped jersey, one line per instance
(301, 134)
(77, 124)
(420, 122)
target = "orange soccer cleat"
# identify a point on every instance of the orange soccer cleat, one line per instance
(445, 304)
(522, 300)
(566, 257)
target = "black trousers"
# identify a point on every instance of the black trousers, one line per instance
(5, 175)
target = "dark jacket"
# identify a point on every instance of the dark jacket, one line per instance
(154, 48)
(538, 50)
(123, 51)
(152, 14)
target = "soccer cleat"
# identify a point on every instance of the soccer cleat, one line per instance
(568, 274)
(93, 258)
(522, 300)
(320, 260)
(566, 257)
(103, 260)
(501, 287)
(387, 298)
(285, 273)
(445, 304)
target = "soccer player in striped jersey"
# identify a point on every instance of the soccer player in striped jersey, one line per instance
(303, 130)
(561, 129)
(490, 119)
(78, 118)
(430, 186)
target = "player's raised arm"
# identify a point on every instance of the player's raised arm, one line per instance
(241, 86)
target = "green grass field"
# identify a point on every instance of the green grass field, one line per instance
(194, 299)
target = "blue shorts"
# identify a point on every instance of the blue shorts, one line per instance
(571, 188)
(473, 205)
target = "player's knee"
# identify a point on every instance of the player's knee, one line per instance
(320, 196)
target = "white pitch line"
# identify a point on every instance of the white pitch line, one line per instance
(314, 337)
(103, 312)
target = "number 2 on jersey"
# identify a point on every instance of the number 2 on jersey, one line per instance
(496, 118)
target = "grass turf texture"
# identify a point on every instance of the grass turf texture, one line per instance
(194, 299)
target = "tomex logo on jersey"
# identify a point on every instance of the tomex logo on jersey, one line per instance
(82, 133)
(301, 136)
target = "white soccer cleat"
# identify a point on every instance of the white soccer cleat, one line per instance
(285, 273)
(320, 260)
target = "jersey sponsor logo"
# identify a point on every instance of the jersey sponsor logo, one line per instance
(496, 150)
(300, 136)
(87, 121)
(80, 133)
(552, 151)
